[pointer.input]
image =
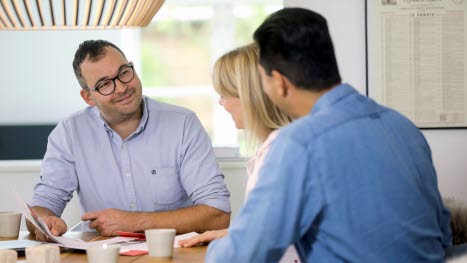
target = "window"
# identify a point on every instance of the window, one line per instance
(180, 46)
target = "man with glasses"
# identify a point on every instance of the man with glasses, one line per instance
(135, 163)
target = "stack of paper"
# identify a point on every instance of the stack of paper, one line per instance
(63, 241)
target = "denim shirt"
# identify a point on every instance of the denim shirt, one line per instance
(167, 163)
(352, 181)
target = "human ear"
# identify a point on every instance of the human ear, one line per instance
(280, 83)
(86, 95)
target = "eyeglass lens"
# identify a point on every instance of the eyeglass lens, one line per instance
(125, 75)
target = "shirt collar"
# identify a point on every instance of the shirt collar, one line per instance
(332, 97)
(145, 117)
(142, 123)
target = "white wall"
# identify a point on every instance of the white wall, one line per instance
(37, 84)
(346, 19)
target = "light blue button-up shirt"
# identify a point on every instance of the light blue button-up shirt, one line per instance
(167, 163)
(350, 182)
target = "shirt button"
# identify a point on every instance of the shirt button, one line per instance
(128, 174)
(132, 205)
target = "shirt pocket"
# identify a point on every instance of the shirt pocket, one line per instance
(166, 186)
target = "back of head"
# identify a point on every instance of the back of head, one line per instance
(91, 50)
(236, 74)
(296, 43)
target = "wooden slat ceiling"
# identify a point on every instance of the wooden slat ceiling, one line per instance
(76, 14)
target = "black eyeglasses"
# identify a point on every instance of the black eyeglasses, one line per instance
(107, 86)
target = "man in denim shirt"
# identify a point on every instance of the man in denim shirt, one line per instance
(349, 180)
(135, 163)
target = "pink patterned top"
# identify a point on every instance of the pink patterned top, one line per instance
(256, 162)
(252, 168)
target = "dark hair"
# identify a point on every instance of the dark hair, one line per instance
(296, 43)
(91, 50)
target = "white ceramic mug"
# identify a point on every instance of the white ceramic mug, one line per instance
(10, 223)
(106, 253)
(160, 242)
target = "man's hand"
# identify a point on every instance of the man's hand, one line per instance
(106, 222)
(56, 225)
(206, 237)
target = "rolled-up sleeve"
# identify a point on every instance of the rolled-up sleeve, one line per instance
(58, 179)
(199, 171)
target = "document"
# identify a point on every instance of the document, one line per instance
(417, 59)
(61, 240)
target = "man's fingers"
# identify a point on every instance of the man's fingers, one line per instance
(89, 216)
(38, 233)
(100, 228)
(40, 236)
(47, 221)
(102, 231)
(60, 227)
(56, 225)
(55, 232)
(93, 224)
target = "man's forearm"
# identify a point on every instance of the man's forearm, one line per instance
(198, 218)
(40, 211)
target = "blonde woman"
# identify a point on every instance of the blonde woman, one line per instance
(237, 80)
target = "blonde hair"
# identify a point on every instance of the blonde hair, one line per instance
(236, 74)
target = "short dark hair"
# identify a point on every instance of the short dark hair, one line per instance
(296, 43)
(92, 50)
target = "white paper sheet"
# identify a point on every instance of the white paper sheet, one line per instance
(62, 241)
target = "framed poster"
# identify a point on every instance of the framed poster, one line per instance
(416, 59)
